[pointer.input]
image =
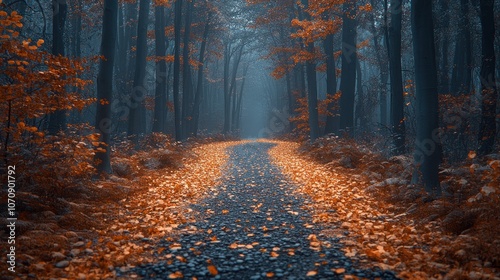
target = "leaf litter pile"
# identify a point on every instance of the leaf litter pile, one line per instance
(389, 224)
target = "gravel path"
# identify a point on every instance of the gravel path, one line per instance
(253, 227)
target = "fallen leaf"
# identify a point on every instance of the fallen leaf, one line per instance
(311, 273)
(212, 270)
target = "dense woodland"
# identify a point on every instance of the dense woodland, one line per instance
(88, 89)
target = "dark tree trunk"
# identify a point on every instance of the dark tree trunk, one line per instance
(461, 74)
(360, 115)
(444, 73)
(227, 94)
(160, 113)
(121, 53)
(240, 98)
(131, 35)
(137, 119)
(382, 63)
(105, 84)
(427, 145)
(177, 69)
(187, 91)
(349, 57)
(331, 84)
(199, 88)
(312, 87)
(397, 98)
(232, 88)
(57, 120)
(487, 129)
(77, 27)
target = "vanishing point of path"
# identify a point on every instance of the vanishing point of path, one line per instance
(253, 227)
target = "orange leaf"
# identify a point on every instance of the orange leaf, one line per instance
(212, 270)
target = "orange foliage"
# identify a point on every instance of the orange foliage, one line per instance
(34, 85)
(301, 119)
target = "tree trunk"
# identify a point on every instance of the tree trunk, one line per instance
(349, 57)
(427, 145)
(227, 95)
(382, 63)
(487, 129)
(360, 114)
(137, 119)
(331, 84)
(160, 113)
(240, 98)
(177, 68)
(312, 87)
(121, 53)
(187, 91)
(77, 30)
(105, 84)
(460, 79)
(397, 98)
(57, 120)
(232, 88)
(199, 88)
(444, 73)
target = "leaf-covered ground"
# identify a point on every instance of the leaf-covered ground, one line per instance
(349, 194)
(255, 210)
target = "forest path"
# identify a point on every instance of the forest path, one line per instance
(252, 226)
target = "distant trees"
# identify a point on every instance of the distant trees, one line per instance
(334, 63)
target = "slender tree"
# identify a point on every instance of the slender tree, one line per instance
(383, 66)
(349, 57)
(331, 83)
(427, 144)
(57, 120)
(187, 88)
(199, 88)
(461, 76)
(487, 129)
(160, 113)
(397, 98)
(137, 118)
(312, 87)
(105, 84)
(445, 25)
(177, 68)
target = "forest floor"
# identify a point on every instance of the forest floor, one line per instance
(256, 210)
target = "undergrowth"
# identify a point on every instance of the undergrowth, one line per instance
(467, 211)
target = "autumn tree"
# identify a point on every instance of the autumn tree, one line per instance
(29, 78)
